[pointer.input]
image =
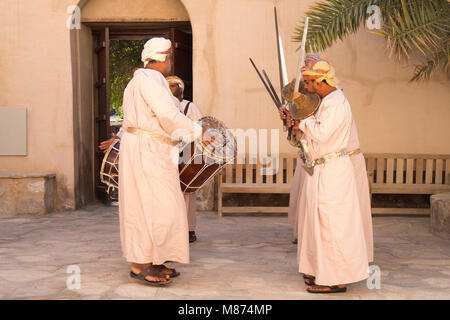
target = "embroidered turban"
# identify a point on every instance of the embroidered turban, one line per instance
(319, 66)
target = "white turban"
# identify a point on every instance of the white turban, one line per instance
(156, 49)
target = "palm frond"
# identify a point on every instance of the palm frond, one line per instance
(408, 25)
(436, 60)
(420, 25)
(331, 20)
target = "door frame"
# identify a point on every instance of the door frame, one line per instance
(102, 33)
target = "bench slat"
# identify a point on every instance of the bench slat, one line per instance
(289, 169)
(411, 211)
(390, 171)
(255, 188)
(258, 171)
(269, 167)
(380, 170)
(239, 167)
(447, 171)
(419, 171)
(429, 171)
(392, 188)
(280, 171)
(248, 169)
(407, 155)
(229, 173)
(371, 169)
(255, 209)
(409, 171)
(439, 169)
(399, 171)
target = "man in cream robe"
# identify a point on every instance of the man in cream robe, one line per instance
(193, 112)
(332, 242)
(153, 223)
(296, 189)
(359, 165)
(362, 185)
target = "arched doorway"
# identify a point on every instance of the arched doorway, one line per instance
(104, 23)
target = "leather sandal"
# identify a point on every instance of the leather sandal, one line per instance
(309, 280)
(192, 236)
(153, 273)
(326, 289)
(161, 268)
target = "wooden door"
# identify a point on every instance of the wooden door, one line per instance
(101, 102)
(182, 58)
(182, 67)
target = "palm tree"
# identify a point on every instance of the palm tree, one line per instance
(407, 25)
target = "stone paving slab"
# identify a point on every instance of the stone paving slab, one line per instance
(235, 257)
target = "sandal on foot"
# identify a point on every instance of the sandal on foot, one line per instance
(153, 273)
(309, 280)
(172, 274)
(326, 289)
(192, 236)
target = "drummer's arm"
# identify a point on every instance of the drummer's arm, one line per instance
(123, 129)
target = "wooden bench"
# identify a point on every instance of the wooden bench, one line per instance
(407, 174)
(248, 178)
(417, 174)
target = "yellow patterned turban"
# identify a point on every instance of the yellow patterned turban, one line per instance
(319, 66)
(176, 80)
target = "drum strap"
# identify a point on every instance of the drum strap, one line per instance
(151, 135)
(187, 108)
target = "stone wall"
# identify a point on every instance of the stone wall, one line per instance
(24, 193)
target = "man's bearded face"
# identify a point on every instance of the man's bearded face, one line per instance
(310, 84)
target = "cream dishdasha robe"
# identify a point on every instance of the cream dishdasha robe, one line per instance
(331, 244)
(362, 185)
(153, 222)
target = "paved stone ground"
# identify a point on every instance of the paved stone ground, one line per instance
(236, 257)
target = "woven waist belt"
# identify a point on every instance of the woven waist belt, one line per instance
(334, 155)
(151, 135)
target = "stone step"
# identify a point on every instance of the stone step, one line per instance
(27, 192)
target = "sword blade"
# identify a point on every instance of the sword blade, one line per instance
(280, 68)
(302, 56)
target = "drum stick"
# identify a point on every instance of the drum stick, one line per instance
(272, 88)
(264, 83)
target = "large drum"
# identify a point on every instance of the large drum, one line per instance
(199, 162)
(109, 172)
(203, 158)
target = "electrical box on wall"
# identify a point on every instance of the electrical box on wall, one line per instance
(13, 131)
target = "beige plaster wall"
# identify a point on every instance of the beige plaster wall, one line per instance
(136, 10)
(36, 73)
(47, 69)
(391, 114)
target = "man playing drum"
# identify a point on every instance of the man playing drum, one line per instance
(193, 112)
(153, 223)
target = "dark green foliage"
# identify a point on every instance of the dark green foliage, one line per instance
(407, 25)
(125, 56)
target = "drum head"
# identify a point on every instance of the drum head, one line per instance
(218, 142)
(109, 172)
